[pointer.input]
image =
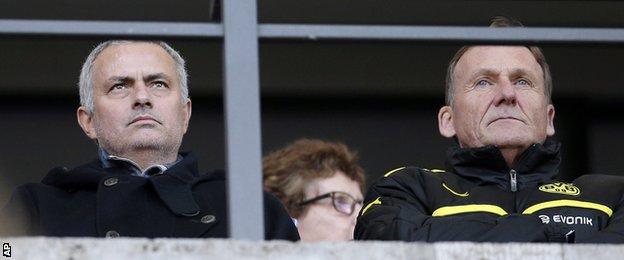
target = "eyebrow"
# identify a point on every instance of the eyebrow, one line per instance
(520, 71)
(148, 78)
(492, 72)
(155, 76)
(486, 71)
(120, 79)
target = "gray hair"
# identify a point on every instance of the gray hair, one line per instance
(500, 21)
(85, 83)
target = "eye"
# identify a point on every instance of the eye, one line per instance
(523, 83)
(159, 84)
(343, 204)
(483, 83)
(117, 87)
(342, 200)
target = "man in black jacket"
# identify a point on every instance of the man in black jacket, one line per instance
(499, 184)
(135, 106)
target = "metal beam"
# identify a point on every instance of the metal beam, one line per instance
(442, 33)
(317, 32)
(107, 29)
(242, 114)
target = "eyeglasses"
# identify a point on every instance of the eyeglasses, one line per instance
(343, 202)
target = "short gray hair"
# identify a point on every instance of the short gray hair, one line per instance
(85, 82)
(500, 21)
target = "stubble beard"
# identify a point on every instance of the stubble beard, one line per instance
(138, 144)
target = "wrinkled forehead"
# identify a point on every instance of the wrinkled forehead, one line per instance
(503, 59)
(131, 58)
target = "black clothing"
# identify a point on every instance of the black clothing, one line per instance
(108, 161)
(479, 198)
(96, 202)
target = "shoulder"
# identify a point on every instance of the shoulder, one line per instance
(600, 180)
(19, 213)
(214, 178)
(409, 176)
(407, 181)
(278, 224)
(33, 191)
(601, 183)
(211, 185)
(271, 202)
(25, 192)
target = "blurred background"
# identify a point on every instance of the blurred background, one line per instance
(380, 98)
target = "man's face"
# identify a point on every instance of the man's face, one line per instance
(137, 101)
(499, 99)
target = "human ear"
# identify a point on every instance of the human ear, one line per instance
(85, 120)
(445, 122)
(550, 128)
(188, 107)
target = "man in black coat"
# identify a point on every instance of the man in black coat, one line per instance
(500, 183)
(135, 106)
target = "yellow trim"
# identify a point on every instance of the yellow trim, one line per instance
(393, 171)
(465, 194)
(377, 201)
(568, 203)
(453, 210)
(437, 170)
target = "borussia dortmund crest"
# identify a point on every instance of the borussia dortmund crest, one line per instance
(561, 188)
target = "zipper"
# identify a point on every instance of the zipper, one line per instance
(513, 181)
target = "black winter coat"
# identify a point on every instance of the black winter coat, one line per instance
(97, 202)
(479, 198)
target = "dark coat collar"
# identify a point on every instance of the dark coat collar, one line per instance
(173, 186)
(486, 165)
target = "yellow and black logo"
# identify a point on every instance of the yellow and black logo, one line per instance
(561, 188)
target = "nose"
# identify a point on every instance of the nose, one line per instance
(142, 97)
(506, 93)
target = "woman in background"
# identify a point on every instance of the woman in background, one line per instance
(320, 183)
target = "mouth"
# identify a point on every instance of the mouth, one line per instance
(143, 119)
(505, 118)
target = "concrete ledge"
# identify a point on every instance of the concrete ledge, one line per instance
(179, 249)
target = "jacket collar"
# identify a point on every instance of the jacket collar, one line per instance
(173, 187)
(486, 165)
(108, 161)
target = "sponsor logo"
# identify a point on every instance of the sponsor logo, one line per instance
(569, 220)
(6, 250)
(561, 188)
